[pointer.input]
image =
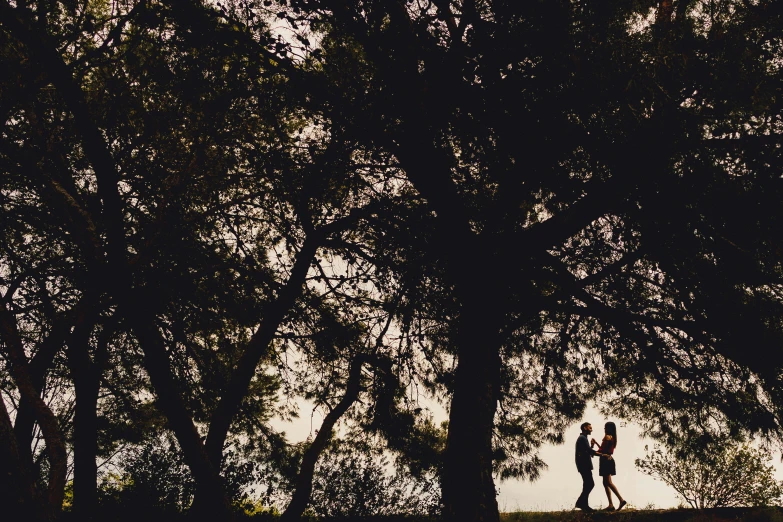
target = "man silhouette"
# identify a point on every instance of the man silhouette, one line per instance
(584, 465)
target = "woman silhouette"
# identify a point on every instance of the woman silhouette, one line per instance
(606, 464)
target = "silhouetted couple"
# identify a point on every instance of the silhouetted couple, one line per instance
(606, 464)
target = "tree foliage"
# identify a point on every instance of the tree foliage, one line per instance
(722, 475)
(359, 481)
(212, 211)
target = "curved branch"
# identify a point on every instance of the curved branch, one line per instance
(258, 346)
(304, 480)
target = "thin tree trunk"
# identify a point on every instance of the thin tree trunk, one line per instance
(213, 500)
(17, 488)
(304, 480)
(257, 348)
(55, 445)
(24, 422)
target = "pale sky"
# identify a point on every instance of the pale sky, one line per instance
(560, 484)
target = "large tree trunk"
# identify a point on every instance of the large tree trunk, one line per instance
(86, 375)
(664, 13)
(467, 484)
(85, 442)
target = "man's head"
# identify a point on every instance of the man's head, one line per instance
(587, 428)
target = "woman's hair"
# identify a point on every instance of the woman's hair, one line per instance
(611, 429)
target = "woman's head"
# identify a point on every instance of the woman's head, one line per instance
(611, 429)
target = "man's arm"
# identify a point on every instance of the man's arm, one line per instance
(584, 447)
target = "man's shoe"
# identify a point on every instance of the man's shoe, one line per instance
(622, 503)
(609, 508)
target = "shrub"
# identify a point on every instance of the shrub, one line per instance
(723, 475)
(351, 483)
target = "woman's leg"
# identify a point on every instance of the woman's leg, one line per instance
(608, 488)
(609, 485)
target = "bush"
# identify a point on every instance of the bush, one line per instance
(723, 475)
(156, 479)
(350, 483)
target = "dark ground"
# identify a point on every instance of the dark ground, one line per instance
(771, 514)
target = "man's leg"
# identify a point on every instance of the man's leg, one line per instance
(587, 486)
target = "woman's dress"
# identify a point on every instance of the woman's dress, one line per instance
(606, 466)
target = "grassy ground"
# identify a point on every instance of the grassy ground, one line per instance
(772, 514)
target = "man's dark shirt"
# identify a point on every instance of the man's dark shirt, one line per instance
(584, 454)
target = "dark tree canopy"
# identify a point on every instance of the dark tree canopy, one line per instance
(212, 210)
